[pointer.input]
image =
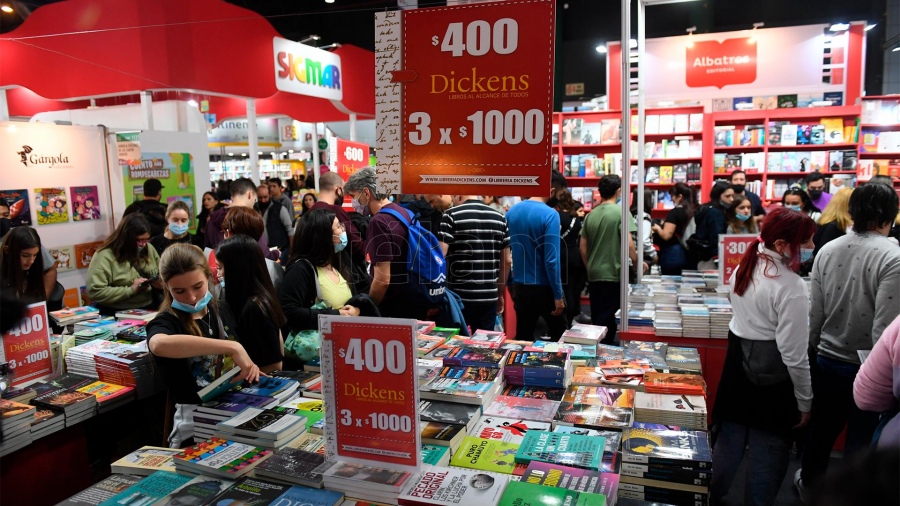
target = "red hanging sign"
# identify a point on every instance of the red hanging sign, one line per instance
(370, 386)
(350, 157)
(26, 347)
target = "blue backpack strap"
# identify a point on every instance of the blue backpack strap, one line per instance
(406, 220)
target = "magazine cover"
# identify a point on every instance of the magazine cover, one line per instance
(52, 205)
(85, 203)
(84, 252)
(64, 257)
(19, 210)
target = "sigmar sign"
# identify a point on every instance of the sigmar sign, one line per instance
(306, 70)
(714, 63)
(473, 86)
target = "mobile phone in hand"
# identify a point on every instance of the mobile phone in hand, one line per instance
(148, 281)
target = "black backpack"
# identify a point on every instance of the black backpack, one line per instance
(695, 238)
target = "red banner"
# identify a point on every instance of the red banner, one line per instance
(26, 347)
(731, 251)
(477, 95)
(714, 63)
(351, 156)
(370, 388)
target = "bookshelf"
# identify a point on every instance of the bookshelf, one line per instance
(777, 147)
(879, 139)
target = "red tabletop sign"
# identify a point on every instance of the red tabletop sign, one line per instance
(731, 251)
(370, 388)
(27, 347)
(477, 95)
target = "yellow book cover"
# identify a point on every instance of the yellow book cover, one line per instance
(834, 130)
(665, 174)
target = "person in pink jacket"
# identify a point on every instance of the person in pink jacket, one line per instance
(877, 386)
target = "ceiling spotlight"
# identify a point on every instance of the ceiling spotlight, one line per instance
(290, 151)
(602, 49)
(869, 27)
(329, 1)
(259, 152)
(839, 27)
(230, 154)
(193, 103)
(7, 9)
(307, 39)
(243, 154)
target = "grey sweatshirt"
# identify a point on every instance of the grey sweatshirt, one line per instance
(854, 294)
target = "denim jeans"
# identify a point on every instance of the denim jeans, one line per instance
(532, 302)
(672, 259)
(606, 298)
(767, 454)
(833, 408)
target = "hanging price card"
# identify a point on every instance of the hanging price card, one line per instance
(731, 251)
(464, 98)
(26, 347)
(348, 156)
(370, 389)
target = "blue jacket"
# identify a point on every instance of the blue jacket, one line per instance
(450, 313)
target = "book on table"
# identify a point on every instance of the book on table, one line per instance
(379, 480)
(572, 478)
(102, 490)
(449, 412)
(519, 493)
(561, 448)
(471, 356)
(220, 385)
(220, 457)
(688, 448)
(487, 455)
(510, 430)
(442, 434)
(148, 490)
(538, 410)
(265, 423)
(146, 460)
(200, 490)
(294, 466)
(439, 486)
(436, 455)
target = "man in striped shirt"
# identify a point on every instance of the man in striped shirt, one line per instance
(475, 241)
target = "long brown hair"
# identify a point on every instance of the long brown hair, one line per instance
(28, 285)
(793, 227)
(248, 278)
(178, 259)
(243, 220)
(731, 215)
(123, 241)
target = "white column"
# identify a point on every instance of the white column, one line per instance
(315, 157)
(252, 141)
(626, 157)
(353, 126)
(147, 110)
(640, 140)
(4, 106)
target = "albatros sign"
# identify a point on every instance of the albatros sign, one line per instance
(306, 70)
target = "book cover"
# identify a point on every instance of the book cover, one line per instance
(441, 433)
(367, 476)
(52, 205)
(85, 203)
(485, 338)
(19, 210)
(268, 386)
(556, 362)
(250, 491)
(150, 489)
(200, 490)
(84, 252)
(264, 423)
(55, 397)
(488, 374)
(451, 486)
(292, 464)
(538, 410)
(662, 383)
(107, 392)
(447, 412)
(532, 392)
(220, 385)
(443, 332)
(561, 448)
(303, 378)
(609, 131)
(227, 457)
(146, 460)
(684, 447)
(519, 493)
(454, 387)
(509, 430)
(787, 101)
(590, 133)
(299, 495)
(101, 491)
(425, 343)
(471, 356)
(555, 475)
(435, 455)
(12, 412)
(486, 455)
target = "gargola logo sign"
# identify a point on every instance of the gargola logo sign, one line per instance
(31, 158)
(719, 64)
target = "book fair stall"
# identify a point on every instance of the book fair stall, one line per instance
(399, 411)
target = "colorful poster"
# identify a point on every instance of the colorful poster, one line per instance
(370, 388)
(731, 251)
(85, 203)
(129, 147)
(19, 211)
(52, 205)
(65, 258)
(84, 252)
(26, 347)
(174, 170)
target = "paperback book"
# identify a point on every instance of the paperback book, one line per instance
(561, 448)
(572, 478)
(146, 460)
(519, 493)
(530, 392)
(521, 408)
(148, 490)
(264, 423)
(294, 466)
(471, 356)
(200, 490)
(218, 457)
(487, 455)
(436, 486)
(509, 430)
(449, 412)
(101, 491)
(442, 434)
(667, 447)
(251, 491)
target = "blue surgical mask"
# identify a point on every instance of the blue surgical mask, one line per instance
(806, 254)
(794, 208)
(196, 308)
(743, 217)
(341, 245)
(619, 201)
(177, 229)
(222, 284)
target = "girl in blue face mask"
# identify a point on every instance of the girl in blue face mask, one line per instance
(740, 217)
(250, 295)
(796, 199)
(192, 339)
(178, 218)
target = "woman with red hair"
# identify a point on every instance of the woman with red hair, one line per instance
(765, 391)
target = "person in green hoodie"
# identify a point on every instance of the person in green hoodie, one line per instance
(124, 269)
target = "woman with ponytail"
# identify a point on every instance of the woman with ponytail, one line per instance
(765, 391)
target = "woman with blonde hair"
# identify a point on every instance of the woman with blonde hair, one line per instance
(835, 220)
(178, 219)
(192, 339)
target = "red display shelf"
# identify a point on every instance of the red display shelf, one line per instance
(729, 149)
(582, 181)
(676, 134)
(728, 174)
(654, 185)
(879, 125)
(881, 155)
(815, 147)
(656, 161)
(789, 174)
(588, 146)
(764, 115)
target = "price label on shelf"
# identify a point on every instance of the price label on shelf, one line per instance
(26, 347)
(731, 251)
(370, 389)
(473, 86)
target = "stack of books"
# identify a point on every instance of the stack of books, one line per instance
(688, 411)
(448, 435)
(523, 408)
(668, 466)
(443, 412)
(109, 395)
(485, 339)
(130, 365)
(683, 360)
(695, 319)
(253, 491)
(668, 321)
(575, 450)
(101, 333)
(15, 426)
(584, 334)
(294, 466)
(425, 344)
(57, 396)
(46, 422)
(366, 482)
(136, 314)
(435, 455)
(719, 319)
(473, 356)
(94, 323)
(207, 415)
(80, 358)
(467, 385)
(439, 486)
(596, 407)
(220, 458)
(133, 334)
(69, 316)
(268, 428)
(678, 384)
(538, 369)
(150, 489)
